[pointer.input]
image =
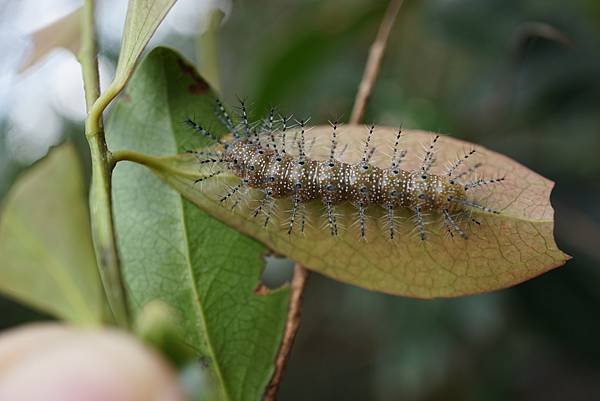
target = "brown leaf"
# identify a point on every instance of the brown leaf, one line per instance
(504, 250)
(63, 33)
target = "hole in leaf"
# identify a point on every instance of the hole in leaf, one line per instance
(278, 271)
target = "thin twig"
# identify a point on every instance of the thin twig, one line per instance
(291, 328)
(374, 62)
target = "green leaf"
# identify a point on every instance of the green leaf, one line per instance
(172, 251)
(504, 250)
(143, 17)
(45, 244)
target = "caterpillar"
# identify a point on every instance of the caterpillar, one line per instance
(272, 156)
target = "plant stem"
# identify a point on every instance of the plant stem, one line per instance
(301, 275)
(374, 62)
(292, 325)
(100, 192)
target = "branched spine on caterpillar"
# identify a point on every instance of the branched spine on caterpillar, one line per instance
(259, 156)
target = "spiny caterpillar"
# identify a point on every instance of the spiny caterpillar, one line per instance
(271, 155)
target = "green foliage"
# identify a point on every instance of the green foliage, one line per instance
(172, 251)
(45, 245)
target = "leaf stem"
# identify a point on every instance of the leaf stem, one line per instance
(97, 107)
(301, 274)
(157, 163)
(100, 192)
(374, 61)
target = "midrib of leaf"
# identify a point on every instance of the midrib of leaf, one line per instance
(56, 272)
(198, 304)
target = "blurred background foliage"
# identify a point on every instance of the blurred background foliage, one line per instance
(521, 77)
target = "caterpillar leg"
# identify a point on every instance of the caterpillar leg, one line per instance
(235, 193)
(268, 130)
(420, 221)
(333, 146)
(399, 154)
(302, 217)
(283, 136)
(429, 157)
(361, 220)
(240, 196)
(483, 182)
(331, 218)
(455, 165)
(368, 153)
(293, 213)
(243, 116)
(225, 118)
(301, 142)
(269, 210)
(214, 161)
(473, 205)
(342, 152)
(452, 226)
(206, 177)
(390, 223)
(230, 192)
(465, 174)
(199, 154)
(467, 215)
(261, 205)
(202, 131)
(265, 206)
